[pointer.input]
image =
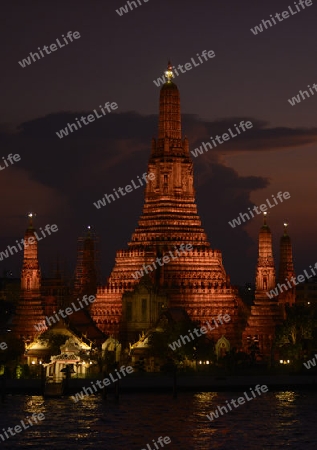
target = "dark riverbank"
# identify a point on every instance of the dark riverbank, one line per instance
(185, 383)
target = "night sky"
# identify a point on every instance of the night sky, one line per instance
(116, 59)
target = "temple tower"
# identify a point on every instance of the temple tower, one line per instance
(31, 274)
(286, 270)
(86, 267)
(265, 313)
(29, 311)
(265, 270)
(194, 279)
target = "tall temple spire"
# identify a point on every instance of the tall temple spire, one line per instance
(170, 109)
(265, 312)
(29, 310)
(31, 274)
(265, 272)
(86, 267)
(286, 269)
(195, 281)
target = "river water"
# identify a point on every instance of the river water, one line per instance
(276, 420)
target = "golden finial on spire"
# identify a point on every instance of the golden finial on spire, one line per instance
(169, 72)
(264, 218)
(30, 216)
(285, 228)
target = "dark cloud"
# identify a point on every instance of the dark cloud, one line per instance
(61, 178)
(261, 137)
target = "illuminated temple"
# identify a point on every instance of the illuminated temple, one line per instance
(195, 281)
(140, 291)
